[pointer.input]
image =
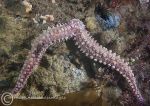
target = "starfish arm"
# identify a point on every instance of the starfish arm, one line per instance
(49, 37)
(101, 54)
(76, 29)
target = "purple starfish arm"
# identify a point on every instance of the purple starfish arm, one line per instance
(94, 51)
(49, 37)
(76, 29)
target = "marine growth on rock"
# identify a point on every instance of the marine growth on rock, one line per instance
(74, 29)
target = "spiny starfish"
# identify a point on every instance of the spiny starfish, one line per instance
(75, 29)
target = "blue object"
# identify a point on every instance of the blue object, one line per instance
(112, 21)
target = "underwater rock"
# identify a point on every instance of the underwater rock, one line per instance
(2, 23)
(10, 3)
(3, 56)
(91, 23)
(113, 3)
(108, 36)
(111, 95)
(61, 77)
(16, 32)
(72, 1)
(4, 84)
(144, 4)
(119, 45)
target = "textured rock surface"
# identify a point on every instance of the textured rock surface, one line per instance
(57, 78)
(18, 29)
